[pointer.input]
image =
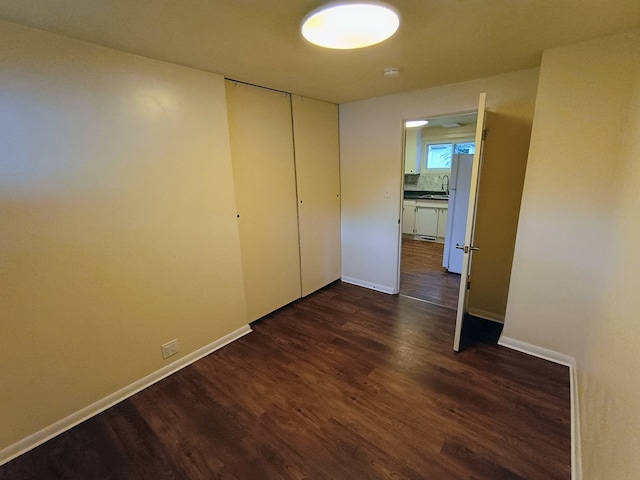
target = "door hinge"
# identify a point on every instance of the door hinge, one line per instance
(468, 285)
(484, 134)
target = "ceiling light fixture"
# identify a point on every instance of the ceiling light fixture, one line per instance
(415, 123)
(349, 25)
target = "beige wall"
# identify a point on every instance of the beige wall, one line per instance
(610, 376)
(117, 222)
(575, 280)
(371, 160)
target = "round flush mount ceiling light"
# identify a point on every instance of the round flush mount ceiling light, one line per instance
(344, 25)
(415, 123)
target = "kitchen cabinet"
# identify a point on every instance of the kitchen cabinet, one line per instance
(431, 219)
(409, 217)
(426, 221)
(442, 223)
(413, 150)
(425, 218)
(412, 166)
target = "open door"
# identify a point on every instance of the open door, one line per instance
(468, 247)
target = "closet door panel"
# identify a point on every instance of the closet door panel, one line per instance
(317, 154)
(265, 187)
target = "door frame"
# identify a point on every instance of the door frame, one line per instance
(401, 205)
(468, 247)
(478, 139)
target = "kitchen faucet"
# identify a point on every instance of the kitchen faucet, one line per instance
(445, 177)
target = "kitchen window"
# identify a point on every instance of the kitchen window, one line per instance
(438, 155)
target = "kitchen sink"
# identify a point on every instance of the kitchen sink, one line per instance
(435, 197)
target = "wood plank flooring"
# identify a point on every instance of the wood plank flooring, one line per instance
(422, 275)
(347, 383)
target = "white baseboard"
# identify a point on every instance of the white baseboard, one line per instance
(536, 351)
(370, 285)
(47, 433)
(493, 317)
(576, 444)
(566, 360)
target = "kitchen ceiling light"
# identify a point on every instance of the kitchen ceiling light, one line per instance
(415, 123)
(346, 26)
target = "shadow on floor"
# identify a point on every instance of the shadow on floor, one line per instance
(478, 331)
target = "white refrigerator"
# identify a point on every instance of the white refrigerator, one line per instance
(461, 165)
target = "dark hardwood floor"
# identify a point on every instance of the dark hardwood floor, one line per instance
(422, 275)
(347, 383)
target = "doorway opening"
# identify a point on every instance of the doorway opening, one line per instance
(432, 154)
(459, 188)
(422, 275)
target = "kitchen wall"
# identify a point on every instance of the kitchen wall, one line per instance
(371, 136)
(117, 223)
(428, 181)
(434, 179)
(431, 180)
(574, 286)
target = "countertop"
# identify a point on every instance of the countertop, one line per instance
(426, 195)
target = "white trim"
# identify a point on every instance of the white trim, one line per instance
(369, 285)
(47, 433)
(427, 301)
(566, 360)
(486, 315)
(536, 351)
(576, 444)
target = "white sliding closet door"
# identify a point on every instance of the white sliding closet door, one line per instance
(261, 137)
(317, 153)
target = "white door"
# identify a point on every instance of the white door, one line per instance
(261, 140)
(468, 247)
(317, 160)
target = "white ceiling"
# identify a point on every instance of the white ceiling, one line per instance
(258, 41)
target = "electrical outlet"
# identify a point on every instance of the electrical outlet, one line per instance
(170, 348)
